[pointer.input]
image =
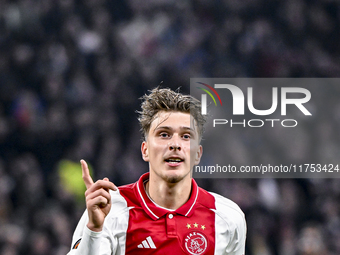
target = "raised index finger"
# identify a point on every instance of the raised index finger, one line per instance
(86, 174)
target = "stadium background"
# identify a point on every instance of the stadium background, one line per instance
(71, 73)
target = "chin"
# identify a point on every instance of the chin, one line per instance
(174, 178)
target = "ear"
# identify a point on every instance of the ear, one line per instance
(145, 152)
(198, 155)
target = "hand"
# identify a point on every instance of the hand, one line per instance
(98, 198)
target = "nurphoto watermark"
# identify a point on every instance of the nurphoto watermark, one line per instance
(267, 127)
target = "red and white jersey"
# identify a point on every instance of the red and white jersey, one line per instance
(206, 224)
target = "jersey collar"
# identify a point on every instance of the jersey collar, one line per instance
(156, 212)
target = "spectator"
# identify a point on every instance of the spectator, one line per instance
(71, 70)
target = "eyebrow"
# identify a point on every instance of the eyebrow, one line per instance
(170, 128)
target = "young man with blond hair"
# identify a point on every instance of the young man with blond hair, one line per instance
(164, 212)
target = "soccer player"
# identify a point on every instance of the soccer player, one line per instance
(164, 212)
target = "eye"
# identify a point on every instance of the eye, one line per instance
(186, 136)
(164, 135)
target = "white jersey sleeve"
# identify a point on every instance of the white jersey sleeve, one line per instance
(230, 227)
(111, 240)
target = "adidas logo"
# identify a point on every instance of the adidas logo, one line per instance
(148, 243)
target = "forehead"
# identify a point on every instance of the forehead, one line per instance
(174, 120)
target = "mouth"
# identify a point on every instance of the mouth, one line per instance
(174, 161)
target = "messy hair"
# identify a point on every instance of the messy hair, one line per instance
(165, 99)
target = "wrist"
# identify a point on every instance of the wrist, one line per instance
(94, 228)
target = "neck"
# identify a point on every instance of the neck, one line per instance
(169, 195)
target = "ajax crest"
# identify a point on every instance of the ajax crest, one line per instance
(195, 243)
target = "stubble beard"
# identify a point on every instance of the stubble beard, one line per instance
(175, 178)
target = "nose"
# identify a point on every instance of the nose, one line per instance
(174, 147)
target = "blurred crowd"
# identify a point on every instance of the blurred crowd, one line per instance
(71, 73)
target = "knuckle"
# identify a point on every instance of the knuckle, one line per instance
(98, 183)
(87, 193)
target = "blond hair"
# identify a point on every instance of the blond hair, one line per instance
(165, 99)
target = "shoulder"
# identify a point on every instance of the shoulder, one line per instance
(123, 194)
(121, 200)
(218, 203)
(230, 225)
(225, 209)
(226, 206)
(117, 220)
(229, 213)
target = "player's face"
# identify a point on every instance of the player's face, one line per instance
(172, 146)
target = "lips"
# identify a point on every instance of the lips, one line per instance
(174, 161)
